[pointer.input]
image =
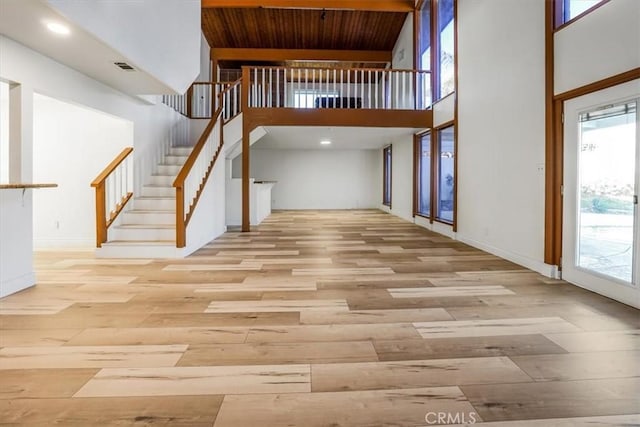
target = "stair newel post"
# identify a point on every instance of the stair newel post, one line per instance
(181, 228)
(101, 219)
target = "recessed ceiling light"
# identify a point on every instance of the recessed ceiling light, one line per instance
(58, 28)
(325, 142)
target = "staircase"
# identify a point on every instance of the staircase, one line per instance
(152, 223)
(148, 229)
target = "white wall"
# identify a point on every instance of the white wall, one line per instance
(37, 73)
(319, 179)
(205, 60)
(401, 178)
(501, 128)
(601, 44)
(208, 220)
(403, 50)
(196, 129)
(67, 135)
(16, 250)
(444, 110)
(167, 46)
(153, 123)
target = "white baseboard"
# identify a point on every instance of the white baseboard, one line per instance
(11, 286)
(436, 227)
(532, 264)
(64, 243)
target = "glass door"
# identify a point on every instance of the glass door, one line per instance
(600, 244)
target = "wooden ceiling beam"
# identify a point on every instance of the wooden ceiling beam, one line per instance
(242, 54)
(367, 5)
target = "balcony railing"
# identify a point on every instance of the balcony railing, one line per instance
(203, 98)
(282, 87)
(362, 88)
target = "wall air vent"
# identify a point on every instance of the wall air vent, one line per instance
(124, 66)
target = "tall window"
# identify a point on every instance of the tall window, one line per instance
(423, 177)
(445, 175)
(446, 53)
(386, 165)
(439, 16)
(424, 52)
(570, 9)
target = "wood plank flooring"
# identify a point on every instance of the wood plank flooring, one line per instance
(315, 318)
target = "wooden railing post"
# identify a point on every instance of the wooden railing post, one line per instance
(101, 219)
(246, 185)
(181, 229)
(190, 102)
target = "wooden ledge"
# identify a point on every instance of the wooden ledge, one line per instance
(418, 119)
(24, 186)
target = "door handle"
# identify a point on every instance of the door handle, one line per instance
(635, 199)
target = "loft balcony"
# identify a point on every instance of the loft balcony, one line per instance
(285, 96)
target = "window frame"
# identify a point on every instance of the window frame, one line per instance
(559, 8)
(437, 51)
(436, 175)
(418, 20)
(418, 174)
(387, 175)
(435, 45)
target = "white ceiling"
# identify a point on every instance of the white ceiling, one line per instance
(25, 22)
(342, 138)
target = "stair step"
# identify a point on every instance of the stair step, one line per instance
(180, 151)
(159, 249)
(134, 232)
(158, 191)
(149, 216)
(140, 243)
(159, 211)
(172, 170)
(145, 226)
(174, 160)
(161, 180)
(155, 203)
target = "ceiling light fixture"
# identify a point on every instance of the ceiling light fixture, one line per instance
(325, 142)
(58, 28)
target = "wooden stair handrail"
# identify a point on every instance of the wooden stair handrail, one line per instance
(178, 183)
(102, 224)
(102, 177)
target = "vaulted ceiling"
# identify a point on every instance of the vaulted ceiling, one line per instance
(346, 25)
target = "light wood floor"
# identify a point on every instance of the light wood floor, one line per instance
(328, 318)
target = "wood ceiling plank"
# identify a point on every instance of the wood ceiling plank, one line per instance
(378, 6)
(301, 28)
(373, 56)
